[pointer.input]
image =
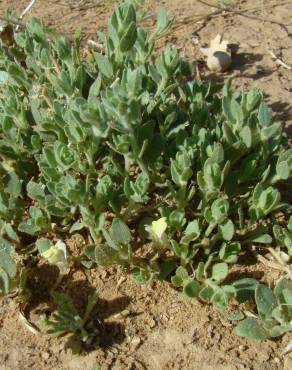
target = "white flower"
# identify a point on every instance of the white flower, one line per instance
(56, 254)
(157, 232)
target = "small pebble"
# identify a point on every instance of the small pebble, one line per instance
(152, 323)
(121, 281)
(135, 342)
(104, 274)
(130, 332)
(46, 355)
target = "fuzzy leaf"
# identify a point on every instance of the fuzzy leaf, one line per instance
(252, 327)
(245, 289)
(229, 252)
(265, 300)
(120, 232)
(219, 271)
(191, 289)
(227, 230)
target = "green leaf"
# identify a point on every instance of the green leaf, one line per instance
(246, 136)
(232, 110)
(165, 269)
(177, 281)
(111, 243)
(229, 252)
(105, 256)
(35, 29)
(265, 300)
(129, 38)
(104, 65)
(43, 244)
(245, 289)
(76, 227)
(177, 219)
(7, 263)
(282, 290)
(120, 232)
(253, 97)
(11, 233)
(221, 297)
(289, 226)
(18, 76)
(264, 115)
(192, 289)
(67, 318)
(279, 330)
(163, 20)
(252, 327)
(35, 191)
(219, 209)
(28, 227)
(13, 184)
(206, 293)
(182, 273)
(227, 230)
(141, 276)
(95, 87)
(191, 233)
(3, 77)
(5, 285)
(264, 239)
(219, 271)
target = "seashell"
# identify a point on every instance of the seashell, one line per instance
(218, 54)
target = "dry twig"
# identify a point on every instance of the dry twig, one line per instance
(279, 265)
(279, 61)
(27, 9)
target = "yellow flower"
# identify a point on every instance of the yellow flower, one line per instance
(56, 254)
(157, 232)
(158, 227)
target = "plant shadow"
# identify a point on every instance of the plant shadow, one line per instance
(107, 330)
(241, 63)
(237, 275)
(283, 112)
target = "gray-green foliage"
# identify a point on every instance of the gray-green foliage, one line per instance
(115, 140)
(274, 309)
(8, 267)
(67, 320)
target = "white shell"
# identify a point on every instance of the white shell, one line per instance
(219, 61)
(218, 54)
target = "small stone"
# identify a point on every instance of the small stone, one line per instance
(130, 332)
(104, 274)
(164, 317)
(277, 360)
(152, 323)
(46, 355)
(135, 342)
(121, 281)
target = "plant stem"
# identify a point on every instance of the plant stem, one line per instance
(136, 153)
(131, 206)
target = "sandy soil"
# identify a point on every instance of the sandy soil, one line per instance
(162, 331)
